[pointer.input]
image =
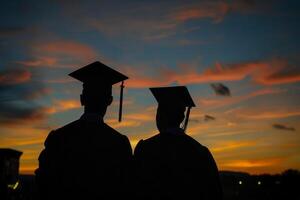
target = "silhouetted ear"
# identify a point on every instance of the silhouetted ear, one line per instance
(82, 100)
(109, 101)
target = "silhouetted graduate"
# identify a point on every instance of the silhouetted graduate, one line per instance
(171, 164)
(87, 159)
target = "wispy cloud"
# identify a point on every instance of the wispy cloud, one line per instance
(67, 48)
(140, 116)
(63, 105)
(261, 72)
(268, 72)
(233, 145)
(133, 119)
(167, 19)
(125, 123)
(60, 53)
(17, 92)
(271, 114)
(139, 77)
(19, 142)
(15, 114)
(283, 127)
(40, 61)
(215, 10)
(14, 76)
(216, 103)
(242, 164)
(37, 93)
(148, 29)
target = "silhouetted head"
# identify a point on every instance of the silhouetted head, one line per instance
(97, 81)
(168, 117)
(96, 99)
(172, 103)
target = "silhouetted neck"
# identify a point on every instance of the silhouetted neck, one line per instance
(92, 117)
(174, 130)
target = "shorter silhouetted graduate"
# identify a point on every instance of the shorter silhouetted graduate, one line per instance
(171, 164)
(87, 159)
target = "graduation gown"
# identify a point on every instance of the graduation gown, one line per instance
(172, 165)
(85, 159)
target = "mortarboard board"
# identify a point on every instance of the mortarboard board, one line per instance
(172, 96)
(100, 75)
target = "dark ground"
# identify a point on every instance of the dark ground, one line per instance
(236, 186)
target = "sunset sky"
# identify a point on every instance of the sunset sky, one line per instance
(252, 47)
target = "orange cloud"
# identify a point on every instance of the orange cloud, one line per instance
(29, 161)
(63, 105)
(257, 165)
(125, 123)
(230, 132)
(41, 61)
(144, 82)
(232, 145)
(61, 53)
(261, 72)
(241, 164)
(72, 48)
(15, 76)
(140, 116)
(269, 72)
(28, 169)
(215, 10)
(212, 102)
(134, 139)
(258, 112)
(254, 114)
(282, 77)
(132, 119)
(27, 139)
(17, 142)
(139, 79)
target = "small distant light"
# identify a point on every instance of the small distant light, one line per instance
(13, 186)
(16, 185)
(258, 183)
(240, 182)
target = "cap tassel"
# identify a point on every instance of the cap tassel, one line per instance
(121, 101)
(186, 119)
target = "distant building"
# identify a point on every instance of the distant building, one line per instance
(9, 173)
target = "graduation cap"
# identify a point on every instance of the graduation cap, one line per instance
(99, 75)
(174, 96)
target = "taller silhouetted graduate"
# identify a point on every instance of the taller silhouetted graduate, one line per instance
(171, 164)
(87, 159)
